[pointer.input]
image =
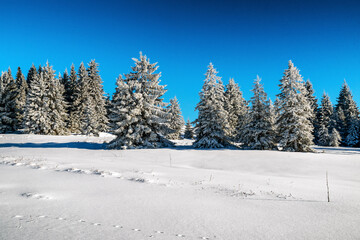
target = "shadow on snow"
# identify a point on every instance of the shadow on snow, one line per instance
(78, 145)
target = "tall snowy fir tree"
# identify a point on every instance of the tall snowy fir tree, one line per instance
(176, 121)
(138, 116)
(97, 101)
(211, 123)
(346, 112)
(353, 137)
(259, 131)
(325, 121)
(8, 106)
(294, 113)
(189, 133)
(73, 94)
(335, 138)
(57, 103)
(310, 95)
(36, 116)
(21, 92)
(236, 108)
(32, 74)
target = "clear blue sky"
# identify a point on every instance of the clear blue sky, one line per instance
(241, 38)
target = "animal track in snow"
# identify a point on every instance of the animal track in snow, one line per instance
(35, 196)
(180, 235)
(136, 229)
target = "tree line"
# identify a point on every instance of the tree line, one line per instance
(75, 103)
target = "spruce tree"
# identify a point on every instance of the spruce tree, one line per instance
(36, 116)
(259, 132)
(325, 121)
(310, 95)
(8, 104)
(211, 123)
(138, 115)
(236, 108)
(97, 99)
(294, 113)
(31, 75)
(353, 137)
(176, 121)
(74, 102)
(189, 133)
(347, 105)
(22, 89)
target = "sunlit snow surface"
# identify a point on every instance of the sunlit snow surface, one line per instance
(71, 187)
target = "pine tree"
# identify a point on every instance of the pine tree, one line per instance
(335, 138)
(22, 89)
(294, 113)
(211, 123)
(57, 103)
(347, 105)
(259, 131)
(325, 122)
(353, 137)
(138, 115)
(236, 108)
(8, 105)
(310, 95)
(74, 101)
(176, 121)
(31, 75)
(189, 134)
(36, 116)
(97, 96)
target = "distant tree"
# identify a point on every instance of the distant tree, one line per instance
(189, 133)
(294, 113)
(259, 132)
(353, 137)
(138, 116)
(211, 124)
(346, 111)
(31, 75)
(74, 100)
(176, 121)
(236, 108)
(310, 95)
(325, 121)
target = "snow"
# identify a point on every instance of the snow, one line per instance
(71, 187)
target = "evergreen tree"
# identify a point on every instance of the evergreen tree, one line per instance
(138, 115)
(31, 75)
(236, 108)
(259, 131)
(346, 103)
(335, 138)
(74, 101)
(325, 122)
(8, 103)
(176, 121)
(21, 91)
(211, 122)
(310, 95)
(294, 113)
(353, 137)
(36, 116)
(97, 99)
(189, 134)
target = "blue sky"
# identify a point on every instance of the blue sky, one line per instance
(241, 38)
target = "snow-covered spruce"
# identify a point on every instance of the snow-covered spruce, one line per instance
(74, 95)
(236, 108)
(353, 137)
(294, 113)
(335, 138)
(259, 131)
(176, 121)
(211, 124)
(189, 133)
(325, 121)
(138, 117)
(310, 95)
(346, 112)
(8, 104)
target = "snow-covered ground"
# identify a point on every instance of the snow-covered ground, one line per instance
(71, 187)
